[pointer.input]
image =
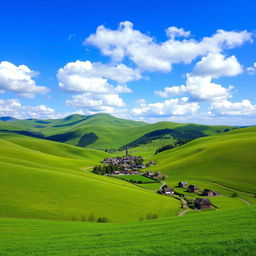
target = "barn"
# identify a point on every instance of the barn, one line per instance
(202, 203)
(193, 188)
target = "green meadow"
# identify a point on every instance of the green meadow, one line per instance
(136, 178)
(52, 204)
(50, 180)
(227, 158)
(210, 233)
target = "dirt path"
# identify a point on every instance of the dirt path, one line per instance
(86, 168)
(183, 212)
(247, 202)
(234, 190)
(231, 189)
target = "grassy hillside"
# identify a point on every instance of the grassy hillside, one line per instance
(227, 158)
(105, 131)
(224, 232)
(45, 179)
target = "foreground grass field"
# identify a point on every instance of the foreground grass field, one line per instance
(50, 180)
(224, 232)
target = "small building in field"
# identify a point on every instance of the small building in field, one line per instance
(202, 203)
(208, 192)
(156, 174)
(182, 184)
(167, 190)
(152, 162)
(193, 188)
(148, 174)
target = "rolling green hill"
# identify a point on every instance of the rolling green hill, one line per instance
(226, 232)
(50, 180)
(228, 159)
(104, 131)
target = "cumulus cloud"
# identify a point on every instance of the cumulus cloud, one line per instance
(92, 82)
(94, 103)
(217, 65)
(252, 70)
(19, 80)
(14, 108)
(227, 108)
(199, 88)
(170, 107)
(85, 76)
(150, 55)
(173, 32)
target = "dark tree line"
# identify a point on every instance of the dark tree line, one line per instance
(169, 146)
(105, 169)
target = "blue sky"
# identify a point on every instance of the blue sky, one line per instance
(184, 61)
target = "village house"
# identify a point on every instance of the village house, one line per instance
(148, 174)
(167, 190)
(126, 164)
(208, 192)
(193, 188)
(157, 174)
(182, 184)
(202, 203)
(152, 162)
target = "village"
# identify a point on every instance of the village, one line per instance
(130, 166)
(127, 165)
(197, 203)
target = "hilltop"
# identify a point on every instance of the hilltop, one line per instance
(103, 131)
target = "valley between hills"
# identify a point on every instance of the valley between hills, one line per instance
(51, 197)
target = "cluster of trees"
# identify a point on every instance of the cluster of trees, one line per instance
(105, 169)
(179, 142)
(166, 147)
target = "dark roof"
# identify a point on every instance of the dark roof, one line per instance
(207, 190)
(183, 182)
(165, 188)
(193, 186)
(202, 201)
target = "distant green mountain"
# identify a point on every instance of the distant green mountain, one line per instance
(7, 118)
(104, 131)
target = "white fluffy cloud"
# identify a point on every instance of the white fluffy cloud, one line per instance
(14, 108)
(199, 88)
(173, 32)
(217, 65)
(252, 70)
(91, 81)
(85, 76)
(94, 103)
(18, 79)
(171, 107)
(227, 108)
(150, 55)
